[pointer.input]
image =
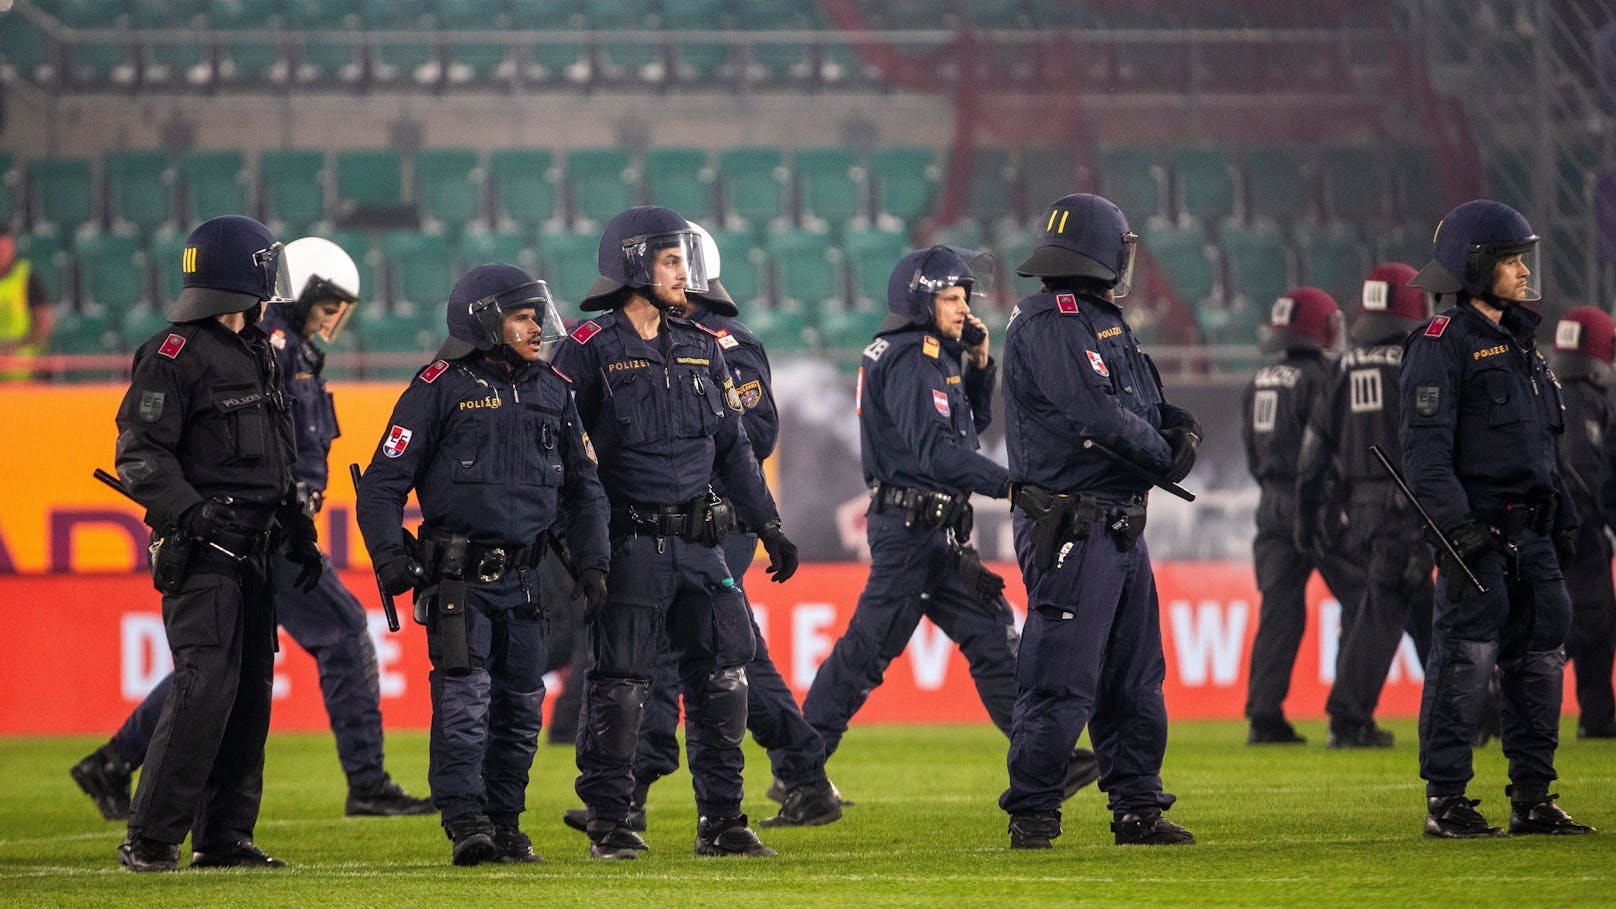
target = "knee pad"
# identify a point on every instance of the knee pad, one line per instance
(723, 703)
(613, 710)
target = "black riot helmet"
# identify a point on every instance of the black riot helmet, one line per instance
(481, 300)
(921, 274)
(230, 264)
(1469, 243)
(1084, 236)
(629, 247)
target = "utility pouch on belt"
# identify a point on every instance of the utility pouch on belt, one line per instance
(169, 556)
(1126, 525)
(1521, 516)
(451, 570)
(1056, 520)
(717, 518)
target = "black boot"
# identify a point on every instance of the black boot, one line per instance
(1034, 831)
(730, 836)
(578, 818)
(104, 777)
(1149, 828)
(611, 840)
(1454, 817)
(240, 854)
(384, 799)
(1081, 770)
(1358, 735)
(512, 846)
(808, 805)
(473, 839)
(1273, 731)
(141, 855)
(1534, 811)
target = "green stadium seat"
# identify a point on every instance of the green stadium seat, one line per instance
(524, 187)
(569, 262)
(8, 187)
(62, 193)
(422, 268)
(49, 260)
(1012, 243)
(178, 57)
(369, 179)
(25, 50)
(383, 331)
(1204, 182)
(250, 63)
(84, 330)
(472, 62)
(752, 181)
(1048, 174)
(359, 246)
(1331, 258)
(550, 61)
(1233, 323)
(1186, 261)
(326, 62)
(807, 268)
(680, 179)
(850, 327)
(871, 256)
(293, 185)
(1259, 265)
(1353, 183)
(112, 271)
(904, 180)
(627, 61)
(965, 233)
(781, 329)
(405, 62)
(830, 185)
(1279, 182)
(742, 271)
(992, 188)
(601, 184)
(700, 63)
(137, 325)
(774, 62)
(213, 183)
(140, 187)
(99, 62)
(1131, 177)
(166, 252)
(448, 186)
(485, 247)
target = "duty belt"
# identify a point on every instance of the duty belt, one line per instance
(705, 521)
(486, 562)
(1515, 518)
(926, 507)
(1060, 518)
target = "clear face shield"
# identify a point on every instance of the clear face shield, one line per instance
(666, 260)
(1516, 275)
(273, 274)
(489, 313)
(1124, 265)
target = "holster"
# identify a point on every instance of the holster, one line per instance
(1518, 517)
(170, 557)
(925, 508)
(447, 557)
(1056, 520)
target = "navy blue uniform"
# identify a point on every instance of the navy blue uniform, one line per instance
(1278, 402)
(664, 418)
(205, 417)
(919, 415)
(1590, 461)
(327, 621)
(1091, 651)
(496, 456)
(796, 751)
(1481, 412)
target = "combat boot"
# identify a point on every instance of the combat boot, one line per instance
(240, 854)
(578, 818)
(730, 836)
(1454, 817)
(1034, 831)
(1536, 812)
(104, 777)
(1273, 731)
(613, 840)
(1149, 828)
(384, 799)
(808, 805)
(1081, 770)
(777, 792)
(512, 846)
(1606, 730)
(141, 855)
(473, 839)
(1365, 735)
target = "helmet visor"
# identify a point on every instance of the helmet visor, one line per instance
(673, 259)
(489, 313)
(1508, 271)
(273, 274)
(1124, 264)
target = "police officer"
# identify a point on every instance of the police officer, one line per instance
(660, 404)
(1481, 411)
(205, 444)
(489, 439)
(1303, 326)
(1091, 651)
(1359, 409)
(1584, 346)
(327, 621)
(796, 751)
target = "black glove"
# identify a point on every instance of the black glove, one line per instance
(591, 585)
(305, 553)
(782, 553)
(978, 579)
(399, 574)
(1565, 545)
(205, 519)
(1183, 443)
(1470, 538)
(1175, 417)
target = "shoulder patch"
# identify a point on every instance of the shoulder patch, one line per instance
(939, 400)
(732, 400)
(431, 373)
(1098, 363)
(564, 377)
(398, 439)
(725, 339)
(751, 393)
(172, 345)
(877, 348)
(708, 330)
(1438, 325)
(1066, 303)
(584, 332)
(930, 346)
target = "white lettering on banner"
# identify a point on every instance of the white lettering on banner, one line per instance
(281, 687)
(929, 650)
(1329, 639)
(146, 657)
(1209, 640)
(388, 654)
(810, 642)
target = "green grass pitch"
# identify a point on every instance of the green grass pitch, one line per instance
(1278, 826)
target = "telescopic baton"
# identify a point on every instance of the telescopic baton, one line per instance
(1426, 518)
(117, 484)
(388, 609)
(1163, 484)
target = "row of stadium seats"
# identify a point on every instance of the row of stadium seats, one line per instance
(539, 190)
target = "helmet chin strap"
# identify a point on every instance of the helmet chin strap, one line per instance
(255, 313)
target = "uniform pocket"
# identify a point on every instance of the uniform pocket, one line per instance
(472, 455)
(539, 449)
(698, 404)
(192, 616)
(244, 421)
(1503, 407)
(634, 409)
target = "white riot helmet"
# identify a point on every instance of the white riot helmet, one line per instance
(314, 270)
(715, 296)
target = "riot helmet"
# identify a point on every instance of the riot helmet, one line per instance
(230, 264)
(1304, 318)
(1584, 345)
(1391, 306)
(921, 274)
(716, 297)
(1084, 236)
(631, 248)
(481, 300)
(318, 271)
(1470, 243)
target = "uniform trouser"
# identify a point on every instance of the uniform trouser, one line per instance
(486, 719)
(1091, 655)
(331, 625)
(1591, 643)
(796, 752)
(1520, 625)
(1397, 598)
(1282, 574)
(205, 767)
(666, 589)
(913, 574)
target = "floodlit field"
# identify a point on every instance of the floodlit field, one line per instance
(1278, 826)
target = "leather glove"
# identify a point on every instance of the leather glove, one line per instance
(399, 574)
(978, 579)
(591, 585)
(1470, 537)
(1175, 417)
(782, 553)
(207, 518)
(305, 553)
(1565, 545)
(1183, 442)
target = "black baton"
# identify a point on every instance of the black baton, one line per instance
(117, 484)
(1426, 518)
(388, 609)
(1163, 484)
